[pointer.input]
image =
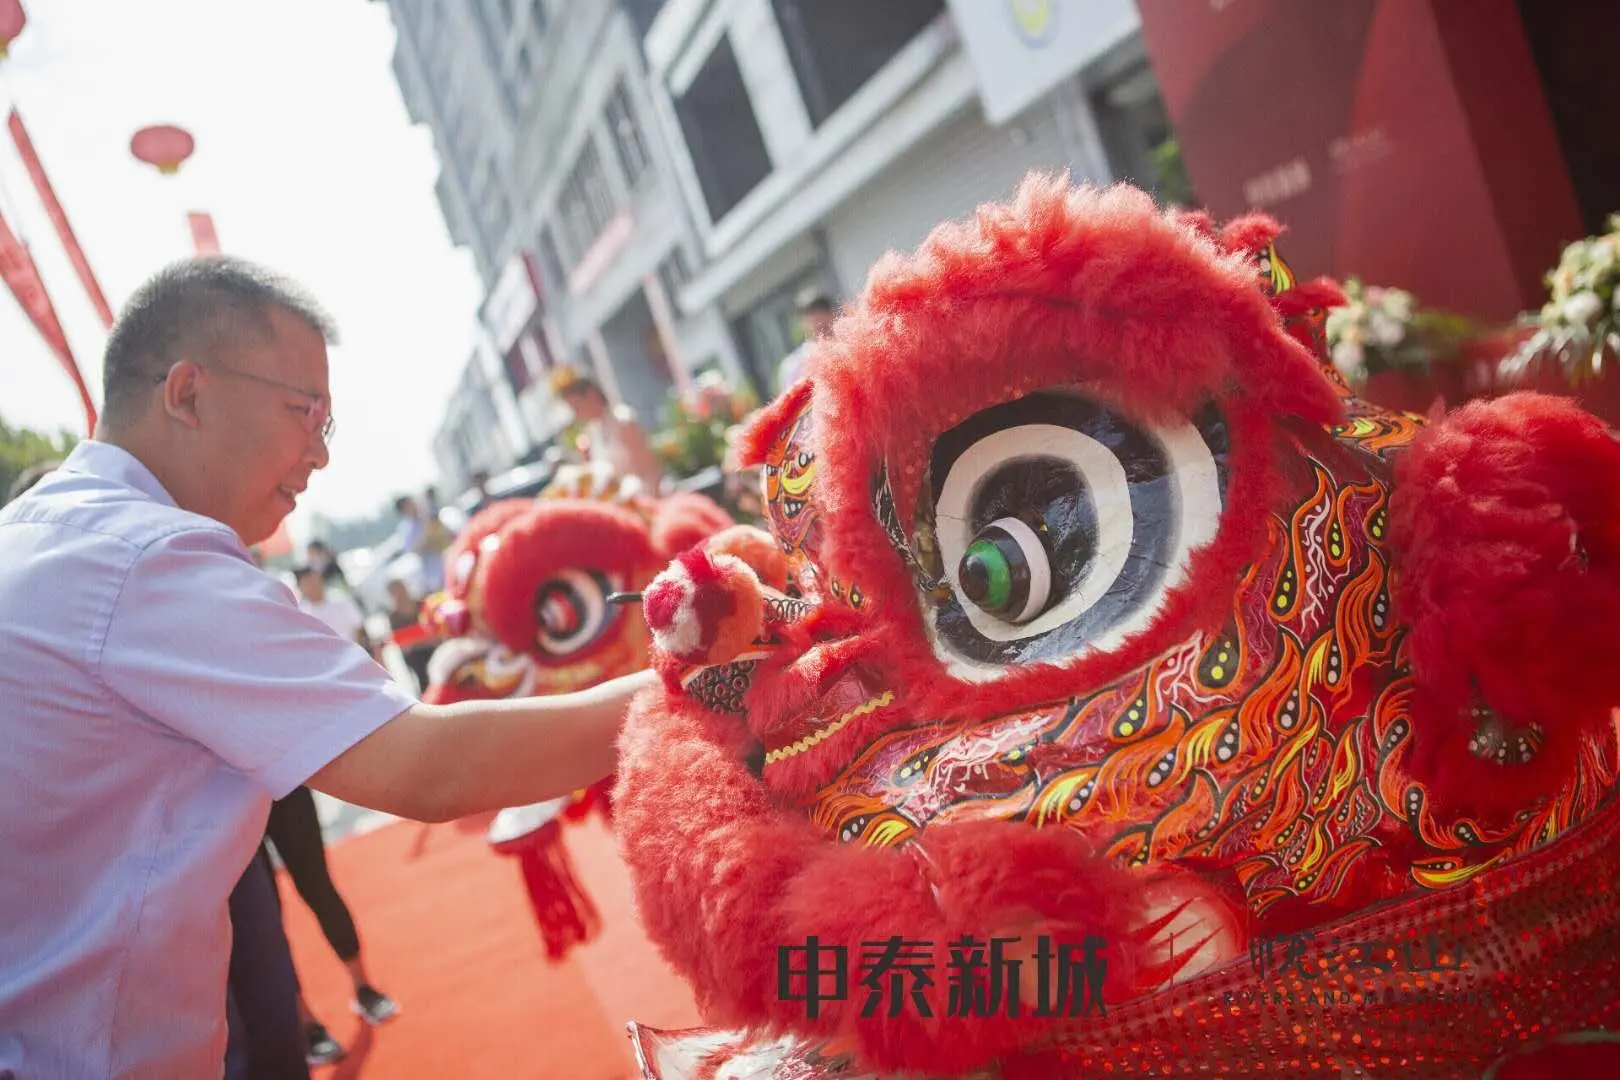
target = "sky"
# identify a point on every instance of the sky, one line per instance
(308, 163)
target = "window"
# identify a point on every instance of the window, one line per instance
(585, 206)
(553, 275)
(538, 19)
(503, 211)
(1136, 134)
(642, 13)
(627, 141)
(674, 273)
(525, 65)
(516, 362)
(494, 205)
(722, 132)
(837, 45)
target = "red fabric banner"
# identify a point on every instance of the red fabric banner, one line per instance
(53, 207)
(22, 278)
(203, 236)
(1405, 141)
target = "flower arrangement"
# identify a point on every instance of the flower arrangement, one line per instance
(698, 425)
(1382, 329)
(1579, 325)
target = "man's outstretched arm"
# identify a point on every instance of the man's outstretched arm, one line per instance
(441, 762)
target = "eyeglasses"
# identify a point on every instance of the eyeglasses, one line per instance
(318, 418)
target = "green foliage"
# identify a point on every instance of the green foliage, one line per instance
(697, 429)
(21, 449)
(1175, 186)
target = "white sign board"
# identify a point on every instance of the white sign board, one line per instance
(1022, 49)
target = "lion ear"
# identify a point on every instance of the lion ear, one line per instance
(770, 424)
(684, 520)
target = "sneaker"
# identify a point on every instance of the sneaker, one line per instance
(319, 1046)
(374, 1005)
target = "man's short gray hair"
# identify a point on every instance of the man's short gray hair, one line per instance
(192, 310)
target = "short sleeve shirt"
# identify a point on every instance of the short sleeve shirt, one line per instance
(157, 691)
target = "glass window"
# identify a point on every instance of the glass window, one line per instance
(674, 273)
(620, 118)
(554, 275)
(836, 46)
(586, 204)
(722, 132)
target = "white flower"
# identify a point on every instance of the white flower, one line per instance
(1383, 330)
(1338, 319)
(1350, 358)
(1583, 308)
(1398, 304)
(1604, 256)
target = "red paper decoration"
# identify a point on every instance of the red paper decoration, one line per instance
(12, 21)
(164, 147)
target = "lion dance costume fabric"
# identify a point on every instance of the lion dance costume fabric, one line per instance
(526, 612)
(1124, 696)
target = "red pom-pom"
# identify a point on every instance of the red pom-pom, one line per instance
(1506, 524)
(704, 609)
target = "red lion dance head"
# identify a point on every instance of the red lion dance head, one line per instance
(526, 607)
(527, 582)
(1141, 702)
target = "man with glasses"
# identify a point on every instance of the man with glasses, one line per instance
(157, 691)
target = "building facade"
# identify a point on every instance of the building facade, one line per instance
(556, 178)
(815, 135)
(607, 237)
(647, 185)
(481, 430)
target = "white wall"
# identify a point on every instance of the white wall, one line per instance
(946, 176)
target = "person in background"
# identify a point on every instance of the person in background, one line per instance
(403, 612)
(425, 536)
(816, 315)
(480, 487)
(262, 998)
(294, 831)
(336, 609)
(160, 691)
(318, 554)
(613, 433)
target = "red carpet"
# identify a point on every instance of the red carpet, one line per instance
(447, 931)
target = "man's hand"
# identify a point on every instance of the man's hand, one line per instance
(439, 763)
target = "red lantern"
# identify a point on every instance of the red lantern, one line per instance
(12, 21)
(166, 147)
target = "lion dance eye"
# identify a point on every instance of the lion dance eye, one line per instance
(571, 611)
(1063, 525)
(1006, 571)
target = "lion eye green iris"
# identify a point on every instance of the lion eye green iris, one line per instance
(986, 576)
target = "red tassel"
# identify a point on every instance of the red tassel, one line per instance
(562, 908)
